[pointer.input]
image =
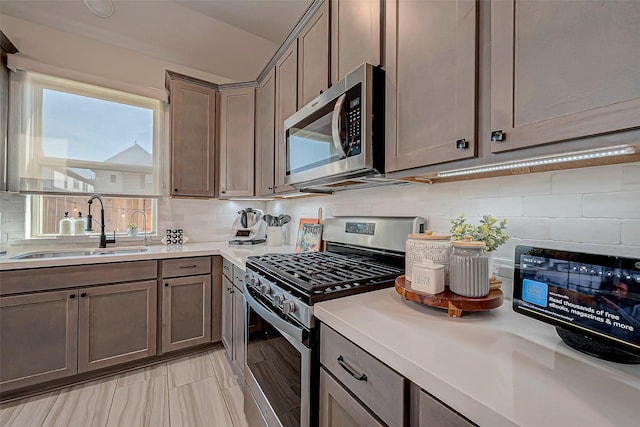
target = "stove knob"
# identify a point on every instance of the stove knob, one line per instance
(265, 289)
(277, 300)
(251, 280)
(288, 306)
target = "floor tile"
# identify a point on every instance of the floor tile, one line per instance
(143, 374)
(222, 367)
(234, 399)
(143, 403)
(27, 412)
(199, 403)
(189, 369)
(83, 405)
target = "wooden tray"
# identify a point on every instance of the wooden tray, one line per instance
(454, 303)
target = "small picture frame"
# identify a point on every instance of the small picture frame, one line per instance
(309, 236)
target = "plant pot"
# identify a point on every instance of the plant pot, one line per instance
(132, 232)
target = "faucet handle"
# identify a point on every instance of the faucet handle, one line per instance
(111, 239)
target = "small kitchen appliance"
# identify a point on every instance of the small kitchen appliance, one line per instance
(248, 228)
(280, 289)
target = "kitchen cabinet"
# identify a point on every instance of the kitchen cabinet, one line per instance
(193, 121)
(433, 413)
(313, 56)
(108, 334)
(265, 135)
(39, 337)
(430, 58)
(186, 302)
(236, 141)
(286, 105)
(562, 71)
(355, 35)
(379, 389)
(216, 298)
(233, 318)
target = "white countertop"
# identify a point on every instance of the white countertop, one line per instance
(236, 254)
(497, 368)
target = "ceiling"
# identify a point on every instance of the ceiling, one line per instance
(208, 35)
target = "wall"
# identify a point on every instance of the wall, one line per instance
(589, 210)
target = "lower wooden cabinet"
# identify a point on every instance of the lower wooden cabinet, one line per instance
(433, 413)
(186, 312)
(238, 331)
(39, 338)
(227, 316)
(233, 321)
(117, 324)
(338, 408)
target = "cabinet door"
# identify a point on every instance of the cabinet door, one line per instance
(286, 105)
(433, 413)
(117, 324)
(227, 316)
(563, 70)
(338, 408)
(238, 331)
(265, 134)
(355, 35)
(431, 82)
(313, 56)
(237, 142)
(192, 140)
(186, 312)
(216, 298)
(38, 337)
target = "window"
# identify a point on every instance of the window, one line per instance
(69, 140)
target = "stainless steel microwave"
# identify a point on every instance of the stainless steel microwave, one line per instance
(338, 138)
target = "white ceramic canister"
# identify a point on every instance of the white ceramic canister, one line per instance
(275, 236)
(428, 277)
(427, 246)
(469, 269)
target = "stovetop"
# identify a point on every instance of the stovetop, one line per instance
(325, 273)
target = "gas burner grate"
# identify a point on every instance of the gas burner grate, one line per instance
(324, 272)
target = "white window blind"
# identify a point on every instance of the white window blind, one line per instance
(71, 137)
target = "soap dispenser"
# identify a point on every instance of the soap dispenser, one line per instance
(66, 224)
(80, 225)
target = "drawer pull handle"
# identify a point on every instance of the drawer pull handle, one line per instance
(341, 362)
(188, 266)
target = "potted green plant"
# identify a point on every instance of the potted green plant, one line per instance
(132, 230)
(490, 231)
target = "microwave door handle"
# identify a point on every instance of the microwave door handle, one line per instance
(335, 126)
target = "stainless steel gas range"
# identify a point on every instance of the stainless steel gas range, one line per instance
(362, 254)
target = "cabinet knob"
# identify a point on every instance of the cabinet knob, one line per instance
(498, 135)
(82, 295)
(72, 296)
(175, 190)
(223, 191)
(166, 285)
(462, 144)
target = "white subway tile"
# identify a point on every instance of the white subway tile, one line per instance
(478, 189)
(529, 228)
(439, 224)
(612, 205)
(526, 185)
(587, 180)
(501, 207)
(631, 177)
(631, 233)
(605, 231)
(617, 250)
(455, 207)
(565, 206)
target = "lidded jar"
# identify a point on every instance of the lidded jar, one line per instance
(469, 268)
(427, 246)
(66, 225)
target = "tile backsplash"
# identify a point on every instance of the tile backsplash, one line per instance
(592, 210)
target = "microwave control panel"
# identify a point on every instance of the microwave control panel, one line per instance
(352, 145)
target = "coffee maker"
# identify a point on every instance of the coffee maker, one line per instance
(249, 228)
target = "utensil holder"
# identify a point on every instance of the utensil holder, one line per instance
(275, 236)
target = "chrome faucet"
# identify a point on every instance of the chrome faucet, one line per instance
(145, 242)
(103, 237)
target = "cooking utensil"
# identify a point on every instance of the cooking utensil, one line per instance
(284, 220)
(269, 219)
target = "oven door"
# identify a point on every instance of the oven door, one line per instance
(278, 365)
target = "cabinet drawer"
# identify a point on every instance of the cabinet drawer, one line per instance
(375, 384)
(227, 268)
(186, 266)
(238, 277)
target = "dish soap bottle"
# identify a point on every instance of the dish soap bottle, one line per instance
(80, 225)
(66, 224)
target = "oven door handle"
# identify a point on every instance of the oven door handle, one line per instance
(275, 320)
(335, 126)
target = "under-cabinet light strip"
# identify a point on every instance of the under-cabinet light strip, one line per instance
(546, 160)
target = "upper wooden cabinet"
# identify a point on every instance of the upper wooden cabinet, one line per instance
(286, 105)
(192, 139)
(236, 142)
(431, 82)
(355, 35)
(562, 70)
(265, 135)
(313, 56)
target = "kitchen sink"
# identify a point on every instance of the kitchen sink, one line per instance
(61, 253)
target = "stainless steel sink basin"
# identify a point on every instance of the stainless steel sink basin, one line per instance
(61, 253)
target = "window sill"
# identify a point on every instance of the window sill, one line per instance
(75, 240)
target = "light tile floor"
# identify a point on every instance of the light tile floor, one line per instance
(193, 391)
